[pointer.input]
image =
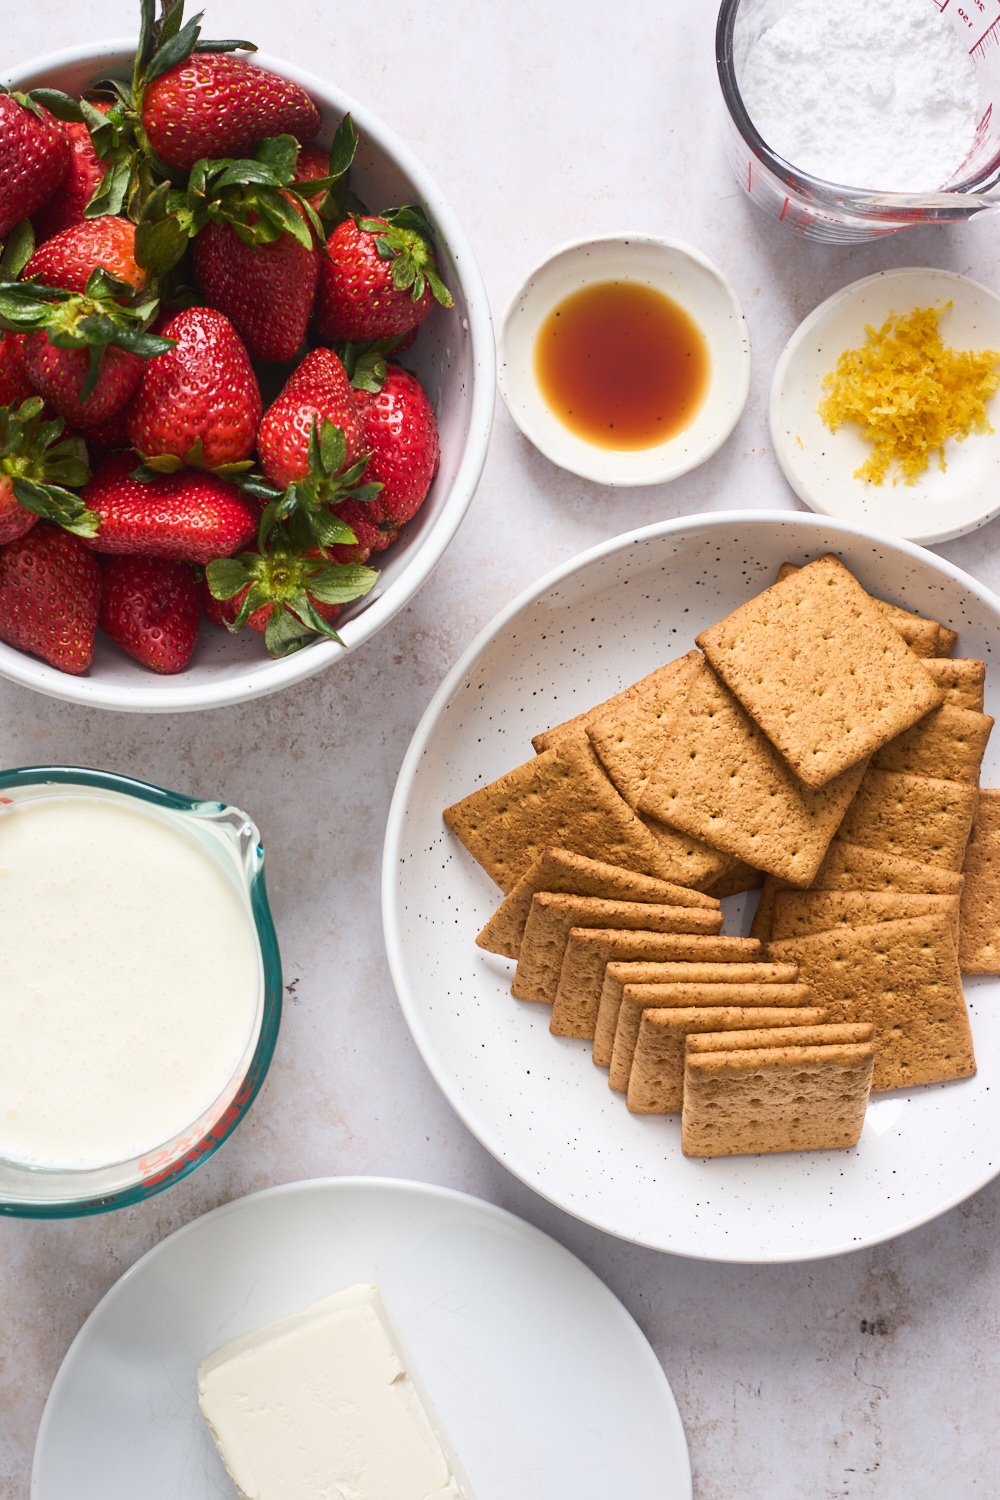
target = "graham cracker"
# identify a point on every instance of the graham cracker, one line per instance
(638, 998)
(920, 817)
(698, 863)
(987, 819)
(823, 1035)
(742, 877)
(628, 732)
(618, 975)
(589, 951)
(799, 913)
(963, 681)
(947, 641)
(562, 798)
(979, 947)
(922, 636)
(720, 779)
(656, 1086)
(948, 743)
(576, 875)
(763, 918)
(821, 670)
(851, 867)
(646, 690)
(798, 1097)
(903, 977)
(553, 915)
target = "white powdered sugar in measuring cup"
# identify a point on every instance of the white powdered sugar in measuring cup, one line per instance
(871, 95)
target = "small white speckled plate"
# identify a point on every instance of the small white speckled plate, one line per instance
(679, 271)
(543, 1382)
(537, 1101)
(820, 464)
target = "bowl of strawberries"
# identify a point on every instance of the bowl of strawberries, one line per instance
(246, 372)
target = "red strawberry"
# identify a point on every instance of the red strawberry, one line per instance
(69, 258)
(190, 515)
(379, 278)
(50, 587)
(14, 384)
(108, 437)
(217, 105)
(34, 159)
(358, 515)
(267, 290)
(200, 401)
(86, 172)
(317, 391)
(402, 436)
(15, 521)
(152, 608)
(59, 375)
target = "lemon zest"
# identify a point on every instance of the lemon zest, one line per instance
(908, 392)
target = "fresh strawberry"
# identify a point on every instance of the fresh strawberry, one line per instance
(50, 588)
(36, 465)
(108, 437)
(287, 595)
(199, 403)
(69, 259)
(14, 384)
(190, 515)
(152, 608)
(227, 611)
(215, 105)
(34, 158)
(86, 173)
(379, 278)
(402, 438)
(357, 514)
(61, 376)
(267, 290)
(317, 391)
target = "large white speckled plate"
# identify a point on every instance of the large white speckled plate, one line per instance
(537, 1101)
(545, 1385)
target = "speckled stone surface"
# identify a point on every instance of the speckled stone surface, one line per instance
(874, 1375)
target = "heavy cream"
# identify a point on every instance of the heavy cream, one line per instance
(129, 981)
(323, 1406)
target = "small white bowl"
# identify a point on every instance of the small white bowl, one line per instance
(820, 464)
(680, 272)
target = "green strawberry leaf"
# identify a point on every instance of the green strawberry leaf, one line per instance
(331, 531)
(284, 634)
(53, 503)
(227, 575)
(176, 49)
(340, 583)
(17, 251)
(110, 194)
(158, 463)
(345, 144)
(279, 153)
(159, 246)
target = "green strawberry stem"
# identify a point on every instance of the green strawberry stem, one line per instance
(305, 505)
(292, 583)
(408, 243)
(40, 467)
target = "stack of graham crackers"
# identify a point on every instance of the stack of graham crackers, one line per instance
(820, 742)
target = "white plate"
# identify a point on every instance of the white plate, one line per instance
(820, 464)
(545, 1385)
(537, 1101)
(679, 271)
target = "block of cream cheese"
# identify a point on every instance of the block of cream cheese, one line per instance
(324, 1405)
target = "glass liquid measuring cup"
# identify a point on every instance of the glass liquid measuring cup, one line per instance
(842, 215)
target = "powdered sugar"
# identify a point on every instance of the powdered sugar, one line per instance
(865, 93)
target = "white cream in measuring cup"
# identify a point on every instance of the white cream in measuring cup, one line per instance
(129, 980)
(868, 94)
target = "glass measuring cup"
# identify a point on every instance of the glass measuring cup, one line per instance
(838, 214)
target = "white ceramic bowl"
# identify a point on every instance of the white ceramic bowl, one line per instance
(820, 464)
(669, 266)
(536, 1101)
(454, 359)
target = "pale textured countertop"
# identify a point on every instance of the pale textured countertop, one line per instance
(874, 1375)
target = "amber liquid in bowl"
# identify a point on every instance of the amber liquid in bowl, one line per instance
(622, 365)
